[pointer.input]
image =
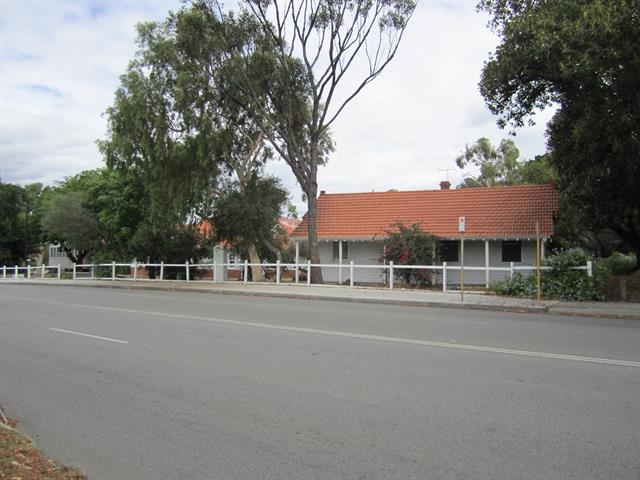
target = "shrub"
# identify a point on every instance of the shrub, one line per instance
(519, 286)
(410, 246)
(561, 282)
(618, 263)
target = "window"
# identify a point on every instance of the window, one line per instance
(448, 251)
(336, 250)
(511, 251)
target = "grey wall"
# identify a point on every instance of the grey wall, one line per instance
(369, 253)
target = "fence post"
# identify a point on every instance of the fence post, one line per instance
(277, 272)
(487, 262)
(74, 271)
(297, 262)
(59, 272)
(15, 272)
(28, 272)
(308, 273)
(113, 271)
(215, 267)
(511, 270)
(42, 272)
(391, 275)
(93, 275)
(589, 268)
(186, 270)
(444, 276)
(162, 270)
(246, 272)
(351, 274)
(4, 272)
(135, 270)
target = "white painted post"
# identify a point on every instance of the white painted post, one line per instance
(215, 267)
(486, 264)
(74, 271)
(351, 274)
(444, 276)
(59, 272)
(308, 273)
(277, 272)
(297, 262)
(15, 272)
(246, 271)
(186, 269)
(135, 270)
(42, 272)
(511, 270)
(4, 272)
(162, 270)
(29, 271)
(391, 275)
(92, 272)
(113, 271)
(589, 268)
(340, 262)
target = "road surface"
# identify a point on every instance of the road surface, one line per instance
(128, 384)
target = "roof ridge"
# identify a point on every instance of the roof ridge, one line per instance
(467, 189)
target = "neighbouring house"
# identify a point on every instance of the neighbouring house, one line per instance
(58, 257)
(500, 227)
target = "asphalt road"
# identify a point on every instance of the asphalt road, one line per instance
(196, 386)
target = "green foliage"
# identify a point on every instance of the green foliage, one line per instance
(518, 286)
(501, 166)
(583, 57)
(20, 212)
(410, 246)
(616, 264)
(68, 222)
(561, 282)
(249, 216)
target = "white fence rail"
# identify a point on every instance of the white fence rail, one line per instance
(294, 273)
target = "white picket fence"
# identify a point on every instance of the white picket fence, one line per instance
(109, 271)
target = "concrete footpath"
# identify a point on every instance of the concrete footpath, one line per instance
(427, 298)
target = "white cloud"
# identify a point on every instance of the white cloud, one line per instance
(60, 63)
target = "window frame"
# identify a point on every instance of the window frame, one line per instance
(335, 250)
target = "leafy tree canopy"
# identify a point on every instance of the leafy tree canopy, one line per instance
(19, 222)
(584, 58)
(247, 218)
(501, 165)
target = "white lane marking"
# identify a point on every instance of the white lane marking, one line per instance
(87, 335)
(362, 336)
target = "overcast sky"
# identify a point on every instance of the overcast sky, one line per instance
(60, 62)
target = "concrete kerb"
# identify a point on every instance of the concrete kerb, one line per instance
(298, 295)
(552, 307)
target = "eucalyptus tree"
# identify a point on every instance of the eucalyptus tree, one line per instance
(171, 125)
(313, 59)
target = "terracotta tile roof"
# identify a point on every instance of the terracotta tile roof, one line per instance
(289, 224)
(491, 212)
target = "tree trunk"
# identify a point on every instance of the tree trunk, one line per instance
(256, 269)
(314, 246)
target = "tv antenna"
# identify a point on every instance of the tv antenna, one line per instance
(447, 170)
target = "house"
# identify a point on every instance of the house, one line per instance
(57, 256)
(500, 227)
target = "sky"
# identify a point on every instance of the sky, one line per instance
(60, 63)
